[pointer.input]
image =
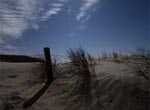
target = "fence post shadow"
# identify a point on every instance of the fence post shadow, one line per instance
(50, 79)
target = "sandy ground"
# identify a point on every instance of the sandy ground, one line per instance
(119, 87)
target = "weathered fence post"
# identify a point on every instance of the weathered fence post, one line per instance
(48, 64)
(49, 80)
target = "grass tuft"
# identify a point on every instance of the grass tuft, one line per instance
(142, 56)
(86, 81)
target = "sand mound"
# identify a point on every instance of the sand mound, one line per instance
(121, 89)
(118, 88)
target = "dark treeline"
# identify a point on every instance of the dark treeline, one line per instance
(19, 58)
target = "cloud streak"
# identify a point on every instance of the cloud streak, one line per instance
(8, 49)
(17, 16)
(86, 8)
(53, 9)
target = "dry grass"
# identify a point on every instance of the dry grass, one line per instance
(142, 57)
(104, 55)
(86, 78)
(114, 56)
(41, 70)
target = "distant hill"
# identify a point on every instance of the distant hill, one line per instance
(19, 58)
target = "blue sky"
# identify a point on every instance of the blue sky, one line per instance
(26, 26)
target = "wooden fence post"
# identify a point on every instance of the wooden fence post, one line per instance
(48, 64)
(49, 80)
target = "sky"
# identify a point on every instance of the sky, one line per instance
(26, 26)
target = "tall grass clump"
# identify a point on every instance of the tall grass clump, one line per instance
(142, 53)
(118, 57)
(104, 55)
(142, 57)
(115, 56)
(86, 78)
(40, 72)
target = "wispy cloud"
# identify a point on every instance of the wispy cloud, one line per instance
(49, 13)
(85, 9)
(53, 9)
(17, 16)
(8, 49)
